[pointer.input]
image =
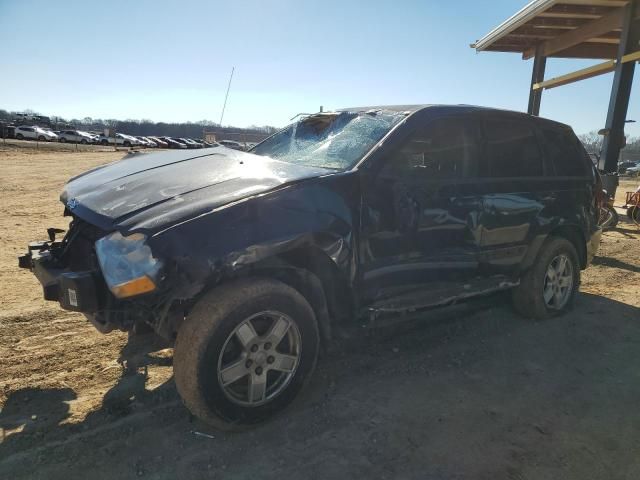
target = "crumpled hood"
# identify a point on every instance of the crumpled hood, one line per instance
(153, 191)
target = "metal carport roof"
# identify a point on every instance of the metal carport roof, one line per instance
(595, 29)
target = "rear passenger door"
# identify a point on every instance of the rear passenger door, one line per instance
(515, 192)
(571, 179)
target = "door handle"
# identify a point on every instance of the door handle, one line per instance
(548, 199)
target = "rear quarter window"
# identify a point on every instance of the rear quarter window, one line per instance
(512, 148)
(562, 150)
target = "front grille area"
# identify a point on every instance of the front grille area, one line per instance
(78, 247)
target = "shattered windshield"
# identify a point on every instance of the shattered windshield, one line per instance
(336, 140)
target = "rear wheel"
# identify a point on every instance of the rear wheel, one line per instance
(104, 142)
(62, 140)
(549, 288)
(244, 352)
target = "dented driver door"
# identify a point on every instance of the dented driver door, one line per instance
(420, 215)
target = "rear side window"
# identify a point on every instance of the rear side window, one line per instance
(512, 149)
(562, 149)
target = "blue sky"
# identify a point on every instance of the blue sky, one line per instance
(170, 61)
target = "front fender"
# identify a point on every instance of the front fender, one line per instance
(317, 214)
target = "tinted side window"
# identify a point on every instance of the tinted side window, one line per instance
(512, 149)
(562, 149)
(444, 148)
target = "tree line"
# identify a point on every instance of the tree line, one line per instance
(592, 142)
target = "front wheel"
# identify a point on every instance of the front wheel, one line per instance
(244, 352)
(83, 141)
(41, 138)
(62, 140)
(549, 287)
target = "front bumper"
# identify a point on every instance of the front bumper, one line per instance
(74, 291)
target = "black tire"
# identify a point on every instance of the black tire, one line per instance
(127, 144)
(19, 136)
(207, 330)
(84, 141)
(528, 299)
(104, 142)
(42, 139)
(633, 213)
(62, 140)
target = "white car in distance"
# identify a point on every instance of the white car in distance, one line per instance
(75, 136)
(120, 139)
(34, 133)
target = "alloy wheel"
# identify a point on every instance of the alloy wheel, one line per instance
(558, 282)
(259, 358)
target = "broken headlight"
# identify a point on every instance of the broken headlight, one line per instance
(127, 264)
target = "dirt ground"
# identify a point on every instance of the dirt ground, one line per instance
(473, 392)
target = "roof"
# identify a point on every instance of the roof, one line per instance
(392, 108)
(560, 28)
(448, 108)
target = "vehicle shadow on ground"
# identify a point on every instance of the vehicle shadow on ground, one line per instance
(35, 409)
(615, 263)
(40, 413)
(410, 373)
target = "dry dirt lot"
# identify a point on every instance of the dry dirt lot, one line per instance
(474, 392)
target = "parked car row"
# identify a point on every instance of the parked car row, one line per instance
(152, 141)
(120, 139)
(182, 142)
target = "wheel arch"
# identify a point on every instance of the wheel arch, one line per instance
(573, 234)
(310, 271)
(307, 269)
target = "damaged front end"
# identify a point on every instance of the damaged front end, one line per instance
(107, 277)
(150, 235)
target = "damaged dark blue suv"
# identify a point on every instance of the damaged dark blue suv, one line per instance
(249, 259)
